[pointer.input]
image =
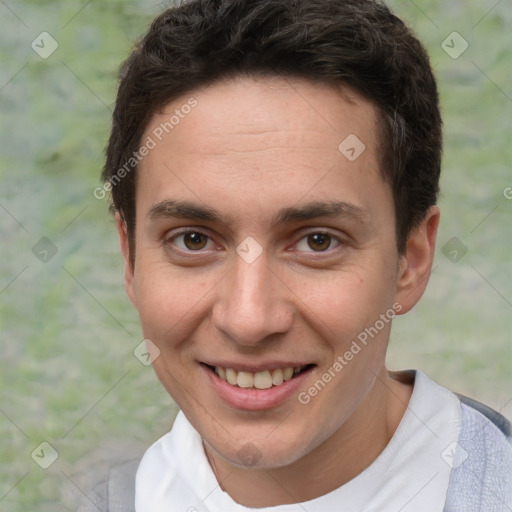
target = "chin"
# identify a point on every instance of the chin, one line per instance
(254, 452)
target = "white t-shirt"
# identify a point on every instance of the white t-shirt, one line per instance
(411, 475)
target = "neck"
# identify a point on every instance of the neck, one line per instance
(348, 452)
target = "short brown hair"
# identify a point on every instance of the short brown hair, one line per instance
(358, 43)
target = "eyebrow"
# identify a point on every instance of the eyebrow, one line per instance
(316, 209)
(188, 210)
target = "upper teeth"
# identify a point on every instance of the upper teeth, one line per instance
(261, 380)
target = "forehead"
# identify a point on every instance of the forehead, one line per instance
(280, 138)
(264, 105)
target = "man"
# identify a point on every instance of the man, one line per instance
(274, 170)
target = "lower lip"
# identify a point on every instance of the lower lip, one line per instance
(252, 399)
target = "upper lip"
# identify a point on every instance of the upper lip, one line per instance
(256, 367)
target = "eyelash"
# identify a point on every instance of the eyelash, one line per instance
(170, 239)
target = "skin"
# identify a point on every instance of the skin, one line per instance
(250, 148)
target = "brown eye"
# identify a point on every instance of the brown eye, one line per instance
(194, 241)
(319, 241)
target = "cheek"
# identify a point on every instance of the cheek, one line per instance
(347, 311)
(169, 301)
(348, 302)
(171, 306)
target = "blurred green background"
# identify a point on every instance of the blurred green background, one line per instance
(67, 331)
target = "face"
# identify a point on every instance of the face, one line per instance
(262, 252)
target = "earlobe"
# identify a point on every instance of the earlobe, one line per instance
(122, 230)
(416, 263)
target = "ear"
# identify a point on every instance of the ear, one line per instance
(416, 263)
(122, 230)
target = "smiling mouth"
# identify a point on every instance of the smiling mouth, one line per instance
(261, 380)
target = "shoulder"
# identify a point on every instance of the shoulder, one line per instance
(115, 493)
(481, 477)
(496, 418)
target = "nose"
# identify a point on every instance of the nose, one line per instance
(253, 304)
